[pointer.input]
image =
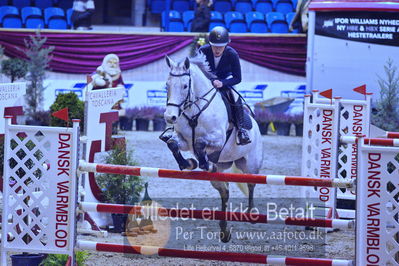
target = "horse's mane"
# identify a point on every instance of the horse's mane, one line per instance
(200, 61)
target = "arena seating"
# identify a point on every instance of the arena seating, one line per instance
(34, 14)
(32, 17)
(257, 16)
(10, 17)
(277, 22)
(256, 22)
(187, 17)
(54, 17)
(175, 21)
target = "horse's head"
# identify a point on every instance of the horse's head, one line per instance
(179, 88)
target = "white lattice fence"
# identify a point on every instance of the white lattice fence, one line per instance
(319, 149)
(39, 189)
(354, 121)
(378, 206)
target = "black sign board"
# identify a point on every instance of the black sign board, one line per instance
(364, 26)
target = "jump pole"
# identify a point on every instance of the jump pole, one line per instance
(214, 215)
(211, 176)
(208, 255)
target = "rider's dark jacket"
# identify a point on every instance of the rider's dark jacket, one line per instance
(229, 69)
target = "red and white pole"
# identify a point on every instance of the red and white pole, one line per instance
(154, 211)
(392, 135)
(210, 176)
(209, 255)
(371, 141)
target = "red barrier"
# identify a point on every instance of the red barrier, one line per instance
(210, 255)
(211, 176)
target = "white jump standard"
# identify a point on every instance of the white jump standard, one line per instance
(55, 224)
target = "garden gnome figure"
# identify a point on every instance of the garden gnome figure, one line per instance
(108, 75)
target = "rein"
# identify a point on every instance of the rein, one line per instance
(187, 103)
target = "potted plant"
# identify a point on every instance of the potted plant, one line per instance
(263, 118)
(282, 123)
(159, 123)
(297, 120)
(61, 259)
(28, 259)
(143, 116)
(120, 189)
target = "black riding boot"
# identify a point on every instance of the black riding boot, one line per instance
(242, 134)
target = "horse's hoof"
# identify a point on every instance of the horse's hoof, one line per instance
(193, 164)
(225, 236)
(204, 166)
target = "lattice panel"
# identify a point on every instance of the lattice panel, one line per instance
(354, 121)
(319, 146)
(40, 170)
(378, 200)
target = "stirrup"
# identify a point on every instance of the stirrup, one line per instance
(242, 137)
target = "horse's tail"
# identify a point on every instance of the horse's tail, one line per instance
(242, 186)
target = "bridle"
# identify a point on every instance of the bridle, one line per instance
(187, 103)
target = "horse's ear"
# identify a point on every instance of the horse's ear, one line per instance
(168, 61)
(187, 63)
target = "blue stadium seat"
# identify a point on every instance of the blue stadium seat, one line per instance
(20, 3)
(243, 6)
(256, 22)
(157, 6)
(263, 6)
(9, 17)
(277, 22)
(235, 22)
(187, 17)
(3, 2)
(32, 17)
(65, 4)
(175, 21)
(283, 6)
(181, 5)
(216, 20)
(222, 6)
(54, 17)
(43, 3)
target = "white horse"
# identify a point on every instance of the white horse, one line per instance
(200, 121)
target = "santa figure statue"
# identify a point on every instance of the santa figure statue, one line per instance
(108, 75)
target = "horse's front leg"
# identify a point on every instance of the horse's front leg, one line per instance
(200, 153)
(173, 145)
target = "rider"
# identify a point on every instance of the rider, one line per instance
(225, 63)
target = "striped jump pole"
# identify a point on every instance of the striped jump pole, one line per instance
(392, 135)
(209, 255)
(214, 215)
(390, 142)
(210, 176)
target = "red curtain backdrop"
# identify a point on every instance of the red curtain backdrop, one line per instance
(82, 53)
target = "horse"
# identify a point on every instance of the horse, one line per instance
(200, 125)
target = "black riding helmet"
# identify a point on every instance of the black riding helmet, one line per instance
(219, 36)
